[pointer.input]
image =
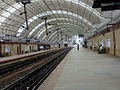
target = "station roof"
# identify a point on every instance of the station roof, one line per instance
(71, 17)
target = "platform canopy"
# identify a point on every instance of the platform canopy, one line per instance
(70, 17)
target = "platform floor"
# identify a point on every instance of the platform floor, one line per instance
(85, 70)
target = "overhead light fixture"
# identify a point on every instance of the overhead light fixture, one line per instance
(46, 24)
(49, 31)
(23, 26)
(24, 2)
(21, 13)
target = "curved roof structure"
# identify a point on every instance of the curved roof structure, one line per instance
(71, 17)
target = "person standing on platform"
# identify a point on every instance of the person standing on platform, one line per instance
(78, 47)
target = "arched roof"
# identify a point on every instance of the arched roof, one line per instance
(72, 16)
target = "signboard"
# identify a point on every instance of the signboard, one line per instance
(28, 40)
(106, 5)
(81, 35)
(7, 50)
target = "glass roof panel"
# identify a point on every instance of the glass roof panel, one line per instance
(10, 9)
(52, 35)
(88, 7)
(35, 29)
(41, 32)
(2, 19)
(48, 21)
(47, 13)
(6, 13)
(17, 6)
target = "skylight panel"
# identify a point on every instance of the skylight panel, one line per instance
(43, 24)
(17, 6)
(56, 12)
(35, 17)
(6, 14)
(11, 9)
(2, 19)
(35, 29)
(88, 7)
(20, 30)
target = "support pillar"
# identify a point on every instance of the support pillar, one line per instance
(26, 19)
(0, 50)
(114, 42)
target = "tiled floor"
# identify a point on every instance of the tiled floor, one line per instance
(85, 70)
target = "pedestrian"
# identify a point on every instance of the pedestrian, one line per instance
(100, 50)
(78, 47)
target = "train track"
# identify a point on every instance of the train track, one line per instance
(14, 66)
(33, 79)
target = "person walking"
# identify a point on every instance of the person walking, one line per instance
(78, 47)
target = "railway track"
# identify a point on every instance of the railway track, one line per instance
(33, 79)
(14, 66)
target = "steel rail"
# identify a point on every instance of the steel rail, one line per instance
(33, 79)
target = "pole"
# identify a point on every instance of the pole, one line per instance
(46, 26)
(57, 34)
(0, 49)
(114, 42)
(26, 19)
(61, 37)
(58, 38)
(114, 38)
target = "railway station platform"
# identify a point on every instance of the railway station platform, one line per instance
(20, 56)
(85, 70)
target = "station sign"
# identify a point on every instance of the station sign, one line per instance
(107, 5)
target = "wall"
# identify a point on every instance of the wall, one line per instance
(0, 49)
(106, 39)
(9, 49)
(117, 32)
(25, 48)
